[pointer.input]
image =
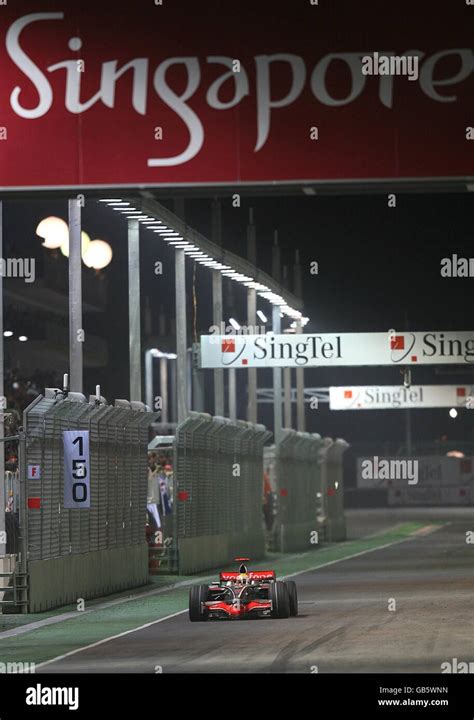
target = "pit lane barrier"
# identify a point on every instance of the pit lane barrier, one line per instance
(67, 554)
(306, 473)
(217, 493)
(219, 469)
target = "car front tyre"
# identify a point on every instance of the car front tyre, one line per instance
(293, 597)
(280, 600)
(197, 595)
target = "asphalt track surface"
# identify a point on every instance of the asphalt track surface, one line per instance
(344, 625)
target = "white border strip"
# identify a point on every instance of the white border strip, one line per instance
(146, 185)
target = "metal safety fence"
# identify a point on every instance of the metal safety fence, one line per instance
(308, 482)
(82, 501)
(218, 492)
(333, 483)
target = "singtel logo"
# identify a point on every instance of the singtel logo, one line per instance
(319, 348)
(378, 396)
(262, 77)
(313, 348)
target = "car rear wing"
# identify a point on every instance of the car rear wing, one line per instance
(257, 575)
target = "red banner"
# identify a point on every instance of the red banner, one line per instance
(143, 93)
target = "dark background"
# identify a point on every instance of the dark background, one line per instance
(379, 268)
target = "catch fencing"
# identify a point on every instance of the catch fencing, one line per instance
(94, 543)
(309, 486)
(218, 492)
(333, 483)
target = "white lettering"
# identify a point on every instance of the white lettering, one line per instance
(178, 104)
(264, 100)
(29, 69)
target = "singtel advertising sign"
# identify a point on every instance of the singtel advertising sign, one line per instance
(337, 349)
(394, 397)
(113, 94)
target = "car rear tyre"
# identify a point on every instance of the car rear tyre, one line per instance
(280, 600)
(293, 596)
(197, 595)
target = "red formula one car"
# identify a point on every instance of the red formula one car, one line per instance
(242, 594)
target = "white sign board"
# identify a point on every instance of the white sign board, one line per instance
(394, 397)
(76, 469)
(433, 471)
(337, 349)
(429, 496)
(34, 472)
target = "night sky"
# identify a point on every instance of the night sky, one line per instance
(379, 268)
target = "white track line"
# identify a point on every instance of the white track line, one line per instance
(348, 557)
(181, 612)
(73, 614)
(113, 637)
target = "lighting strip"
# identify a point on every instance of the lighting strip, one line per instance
(173, 238)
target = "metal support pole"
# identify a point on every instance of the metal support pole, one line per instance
(134, 326)
(287, 396)
(76, 333)
(149, 399)
(4, 405)
(252, 319)
(23, 511)
(232, 394)
(198, 390)
(217, 321)
(277, 397)
(216, 236)
(181, 344)
(164, 389)
(172, 394)
(189, 375)
(252, 372)
(179, 208)
(407, 383)
(300, 409)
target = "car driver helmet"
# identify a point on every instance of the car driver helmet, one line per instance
(243, 576)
